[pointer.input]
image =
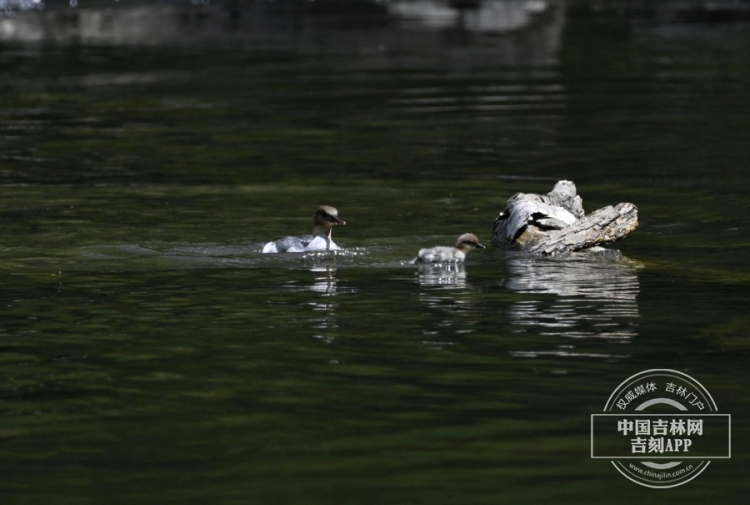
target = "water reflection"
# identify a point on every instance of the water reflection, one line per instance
(442, 274)
(325, 281)
(533, 27)
(593, 297)
(453, 297)
(473, 16)
(324, 320)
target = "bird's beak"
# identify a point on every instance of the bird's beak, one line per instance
(479, 246)
(336, 220)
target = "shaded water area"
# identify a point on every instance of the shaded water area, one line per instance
(149, 353)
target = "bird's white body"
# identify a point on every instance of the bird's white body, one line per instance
(556, 210)
(440, 253)
(305, 243)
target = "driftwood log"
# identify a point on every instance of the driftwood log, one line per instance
(556, 225)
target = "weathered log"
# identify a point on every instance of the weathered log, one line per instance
(603, 226)
(555, 224)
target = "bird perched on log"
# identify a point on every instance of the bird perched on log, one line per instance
(555, 223)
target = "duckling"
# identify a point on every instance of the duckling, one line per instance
(437, 254)
(324, 219)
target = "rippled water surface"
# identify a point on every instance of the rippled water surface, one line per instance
(150, 353)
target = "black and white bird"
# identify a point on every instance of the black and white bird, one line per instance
(529, 216)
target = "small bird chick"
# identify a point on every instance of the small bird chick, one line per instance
(437, 254)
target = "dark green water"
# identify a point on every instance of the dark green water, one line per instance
(150, 354)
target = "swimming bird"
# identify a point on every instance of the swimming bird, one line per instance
(437, 254)
(324, 219)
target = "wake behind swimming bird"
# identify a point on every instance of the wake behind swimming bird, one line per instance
(438, 254)
(324, 219)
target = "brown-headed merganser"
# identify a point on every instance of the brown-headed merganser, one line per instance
(324, 219)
